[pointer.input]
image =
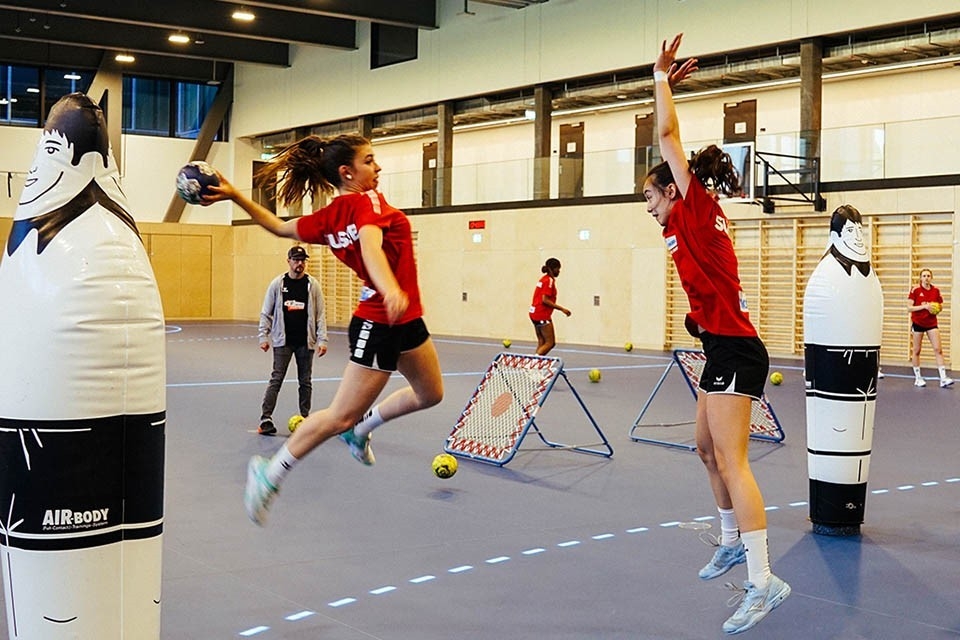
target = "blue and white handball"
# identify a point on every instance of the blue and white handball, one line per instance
(193, 180)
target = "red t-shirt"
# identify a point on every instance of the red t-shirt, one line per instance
(546, 286)
(338, 225)
(924, 318)
(696, 236)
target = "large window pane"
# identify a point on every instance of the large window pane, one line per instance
(193, 103)
(146, 106)
(19, 96)
(60, 82)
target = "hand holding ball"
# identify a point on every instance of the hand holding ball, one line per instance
(193, 180)
(444, 465)
(935, 308)
(776, 378)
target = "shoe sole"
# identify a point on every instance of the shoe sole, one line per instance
(773, 605)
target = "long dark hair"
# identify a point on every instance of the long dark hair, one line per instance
(550, 265)
(712, 166)
(309, 165)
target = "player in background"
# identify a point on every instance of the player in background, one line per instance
(925, 300)
(543, 304)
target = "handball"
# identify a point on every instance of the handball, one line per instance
(444, 465)
(294, 422)
(935, 308)
(507, 343)
(193, 180)
(776, 378)
(628, 347)
(594, 375)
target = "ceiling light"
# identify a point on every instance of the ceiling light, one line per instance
(124, 57)
(33, 90)
(243, 15)
(72, 76)
(179, 38)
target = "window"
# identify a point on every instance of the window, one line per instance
(19, 96)
(390, 45)
(146, 106)
(193, 103)
(60, 82)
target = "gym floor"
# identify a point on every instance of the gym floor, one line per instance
(556, 544)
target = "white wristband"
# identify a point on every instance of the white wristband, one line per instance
(659, 76)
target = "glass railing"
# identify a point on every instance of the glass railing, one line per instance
(868, 152)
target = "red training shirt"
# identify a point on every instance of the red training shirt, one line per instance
(924, 318)
(338, 225)
(696, 236)
(546, 286)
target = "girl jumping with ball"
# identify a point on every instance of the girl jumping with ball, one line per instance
(387, 332)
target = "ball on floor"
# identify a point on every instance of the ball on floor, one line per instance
(507, 343)
(294, 422)
(594, 375)
(776, 378)
(444, 465)
(628, 347)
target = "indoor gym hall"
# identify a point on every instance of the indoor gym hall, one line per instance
(555, 544)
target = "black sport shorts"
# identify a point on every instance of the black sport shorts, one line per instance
(734, 365)
(378, 346)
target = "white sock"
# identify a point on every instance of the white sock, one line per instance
(729, 531)
(916, 372)
(369, 422)
(943, 373)
(758, 557)
(279, 466)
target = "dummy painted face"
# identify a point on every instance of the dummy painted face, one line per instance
(53, 180)
(850, 243)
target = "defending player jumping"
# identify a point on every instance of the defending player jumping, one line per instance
(695, 231)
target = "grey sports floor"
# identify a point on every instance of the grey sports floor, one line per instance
(556, 544)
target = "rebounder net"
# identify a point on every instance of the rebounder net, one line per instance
(504, 406)
(764, 424)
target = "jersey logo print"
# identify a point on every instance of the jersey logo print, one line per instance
(672, 244)
(343, 239)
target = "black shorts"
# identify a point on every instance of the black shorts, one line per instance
(734, 365)
(540, 323)
(378, 346)
(918, 329)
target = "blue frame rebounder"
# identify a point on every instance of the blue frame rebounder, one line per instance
(692, 385)
(475, 449)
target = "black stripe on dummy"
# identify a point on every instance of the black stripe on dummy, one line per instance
(68, 482)
(841, 373)
(837, 504)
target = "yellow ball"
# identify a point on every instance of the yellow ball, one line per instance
(935, 308)
(776, 378)
(507, 343)
(594, 375)
(444, 465)
(294, 422)
(628, 346)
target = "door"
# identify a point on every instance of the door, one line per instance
(571, 160)
(429, 179)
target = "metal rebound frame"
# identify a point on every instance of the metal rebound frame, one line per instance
(504, 406)
(764, 424)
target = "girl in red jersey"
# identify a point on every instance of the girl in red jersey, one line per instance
(924, 300)
(695, 231)
(542, 306)
(387, 332)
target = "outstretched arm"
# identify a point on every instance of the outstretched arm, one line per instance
(260, 214)
(666, 75)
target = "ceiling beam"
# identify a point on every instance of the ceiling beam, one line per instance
(421, 14)
(195, 17)
(126, 37)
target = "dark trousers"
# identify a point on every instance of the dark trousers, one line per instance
(281, 361)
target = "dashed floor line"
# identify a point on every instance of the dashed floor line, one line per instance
(567, 544)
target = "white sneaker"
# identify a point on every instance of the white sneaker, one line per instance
(259, 493)
(880, 375)
(919, 382)
(945, 382)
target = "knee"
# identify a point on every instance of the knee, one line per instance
(707, 456)
(431, 397)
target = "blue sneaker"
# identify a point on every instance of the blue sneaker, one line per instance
(756, 604)
(259, 493)
(359, 447)
(723, 560)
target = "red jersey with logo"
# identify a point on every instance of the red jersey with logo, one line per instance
(546, 286)
(696, 236)
(338, 226)
(924, 318)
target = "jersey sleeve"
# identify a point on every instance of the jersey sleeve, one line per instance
(310, 230)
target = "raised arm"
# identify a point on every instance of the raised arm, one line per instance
(666, 75)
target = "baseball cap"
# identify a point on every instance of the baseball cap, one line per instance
(297, 253)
